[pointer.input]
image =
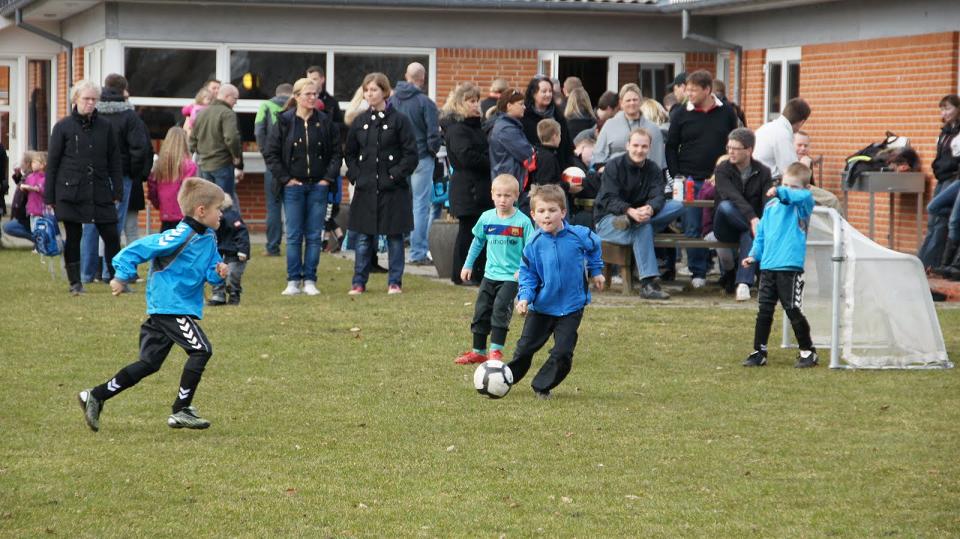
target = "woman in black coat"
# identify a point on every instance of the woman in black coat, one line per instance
(381, 154)
(469, 157)
(540, 106)
(84, 179)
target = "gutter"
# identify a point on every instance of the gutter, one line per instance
(47, 35)
(720, 44)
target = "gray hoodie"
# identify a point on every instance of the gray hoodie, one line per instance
(615, 132)
(422, 112)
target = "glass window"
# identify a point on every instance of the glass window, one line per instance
(38, 103)
(793, 80)
(4, 85)
(168, 72)
(774, 84)
(258, 73)
(160, 119)
(245, 125)
(351, 68)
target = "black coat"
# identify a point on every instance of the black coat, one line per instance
(469, 155)
(84, 170)
(945, 166)
(233, 237)
(288, 156)
(750, 196)
(381, 154)
(530, 120)
(626, 185)
(576, 125)
(133, 138)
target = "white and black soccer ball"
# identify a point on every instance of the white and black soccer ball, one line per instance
(493, 379)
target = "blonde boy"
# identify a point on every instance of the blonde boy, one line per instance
(183, 259)
(505, 231)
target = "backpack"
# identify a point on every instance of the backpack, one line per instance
(46, 236)
(866, 160)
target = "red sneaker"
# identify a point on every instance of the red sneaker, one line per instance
(356, 290)
(496, 354)
(467, 358)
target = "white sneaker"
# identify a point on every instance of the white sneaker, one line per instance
(684, 272)
(310, 288)
(698, 282)
(743, 292)
(292, 289)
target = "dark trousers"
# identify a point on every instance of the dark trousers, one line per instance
(787, 287)
(536, 330)
(729, 225)
(461, 248)
(493, 312)
(158, 334)
(74, 232)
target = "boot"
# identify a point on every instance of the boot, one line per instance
(73, 275)
(948, 257)
(234, 298)
(952, 271)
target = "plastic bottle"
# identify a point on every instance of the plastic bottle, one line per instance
(678, 188)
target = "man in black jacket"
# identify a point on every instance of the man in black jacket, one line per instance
(136, 154)
(742, 185)
(630, 208)
(326, 103)
(697, 137)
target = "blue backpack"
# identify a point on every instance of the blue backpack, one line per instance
(46, 236)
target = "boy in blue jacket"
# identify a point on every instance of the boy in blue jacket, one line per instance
(554, 288)
(183, 259)
(780, 247)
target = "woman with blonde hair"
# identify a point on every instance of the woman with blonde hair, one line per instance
(469, 155)
(613, 137)
(357, 105)
(579, 112)
(303, 154)
(172, 167)
(381, 153)
(203, 98)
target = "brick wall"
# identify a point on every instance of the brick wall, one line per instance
(695, 61)
(63, 106)
(751, 86)
(482, 66)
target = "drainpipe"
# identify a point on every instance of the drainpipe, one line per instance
(720, 44)
(56, 39)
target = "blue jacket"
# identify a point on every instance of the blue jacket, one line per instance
(510, 152)
(555, 268)
(422, 112)
(176, 280)
(781, 242)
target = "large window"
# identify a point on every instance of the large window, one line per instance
(258, 73)
(38, 103)
(783, 79)
(350, 68)
(168, 72)
(609, 71)
(160, 119)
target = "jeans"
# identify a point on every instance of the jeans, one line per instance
(306, 208)
(697, 259)
(90, 247)
(421, 185)
(17, 230)
(640, 235)
(224, 177)
(932, 247)
(231, 285)
(947, 204)
(729, 225)
(366, 246)
(131, 227)
(274, 215)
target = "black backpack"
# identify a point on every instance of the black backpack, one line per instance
(866, 160)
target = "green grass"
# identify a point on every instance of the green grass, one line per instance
(323, 432)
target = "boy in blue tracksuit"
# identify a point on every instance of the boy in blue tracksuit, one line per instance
(183, 260)
(780, 247)
(554, 288)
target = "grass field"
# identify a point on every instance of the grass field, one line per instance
(321, 431)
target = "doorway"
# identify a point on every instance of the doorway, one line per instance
(652, 78)
(592, 71)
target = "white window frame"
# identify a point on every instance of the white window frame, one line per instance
(614, 58)
(18, 99)
(783, 56)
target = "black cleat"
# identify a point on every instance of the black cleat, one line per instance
(756, 359)
(807, 362)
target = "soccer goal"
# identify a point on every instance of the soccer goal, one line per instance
(871, 306)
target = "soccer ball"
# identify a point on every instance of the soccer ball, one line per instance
(493, 379)
(573, 175)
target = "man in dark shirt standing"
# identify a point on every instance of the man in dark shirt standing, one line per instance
(697, 137)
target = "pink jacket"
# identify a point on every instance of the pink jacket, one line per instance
(190, 113)
(35, 199)
(163, 196)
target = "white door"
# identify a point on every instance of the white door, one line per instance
(8, 113)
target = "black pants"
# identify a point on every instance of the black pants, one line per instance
(493, 312)
(158, 334)
(74, 231)
(461, 248)
(787, 287)
(536, 330)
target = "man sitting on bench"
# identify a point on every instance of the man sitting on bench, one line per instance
(742, 184)
(630, 208)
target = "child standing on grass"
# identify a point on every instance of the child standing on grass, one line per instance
(558, 262)
(172, 166)
(505, 231)
(780, 247)
(33, 186)
(233, 243)
(183, 259)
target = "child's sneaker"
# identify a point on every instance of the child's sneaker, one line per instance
(756, 359)
(394, 289)
(216, 300)
(470, 357)
(496, 355)
(91, 408)
(310, 288)
(292, 289)
(743, 292)
(807, 362)
(187, 418)
(356, 290)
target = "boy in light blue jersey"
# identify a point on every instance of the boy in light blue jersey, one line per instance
(780, 247)
(505, 231)
(183, 260)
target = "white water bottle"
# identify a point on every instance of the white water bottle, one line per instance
(678, 188)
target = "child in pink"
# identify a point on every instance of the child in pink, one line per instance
(172, 167)
(33, 186)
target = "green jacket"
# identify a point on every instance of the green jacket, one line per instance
(215, 137)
